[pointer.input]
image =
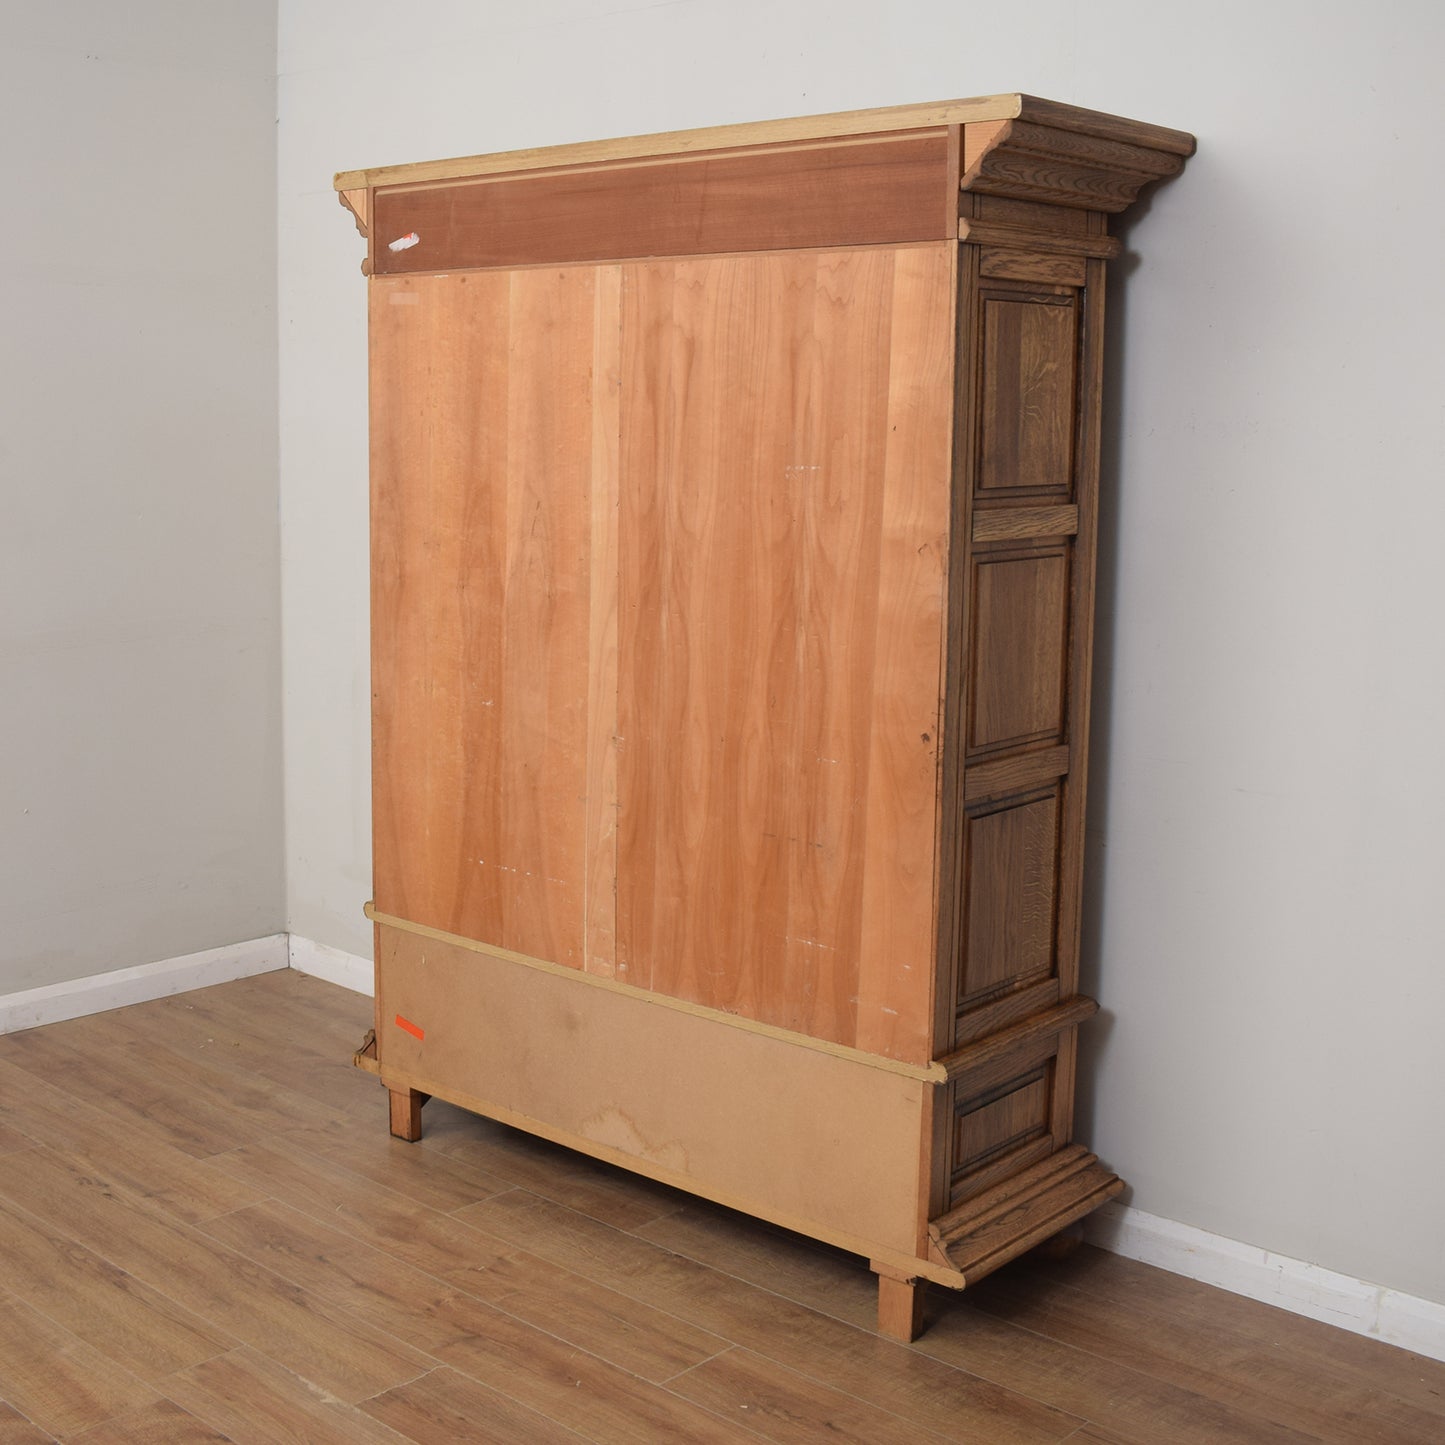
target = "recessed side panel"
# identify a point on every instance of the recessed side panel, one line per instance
(1010, 896)
(490, 493)
(1018, 666)
(1030, 385)
(1004, 1117)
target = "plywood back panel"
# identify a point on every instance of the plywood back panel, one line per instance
(694, 1102)
(783, 543)
(489, 394)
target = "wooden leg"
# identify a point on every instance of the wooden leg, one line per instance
(900, 1307)
(406, 1113)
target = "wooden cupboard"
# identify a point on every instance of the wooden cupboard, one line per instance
(733, 517)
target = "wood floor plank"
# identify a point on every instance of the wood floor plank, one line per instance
(436, 1180)
(1137, 1408)
(576, 1389)
(15, 1429)
(13, 1139)
(201, 1108)
(428, 1312)
(123, 1318)
(384, 1218)
(445, 1407)
(782, 1405)
(803, 1270)
(345, 1355)
(298, 1009)
(1212, 1360)
(164, 1423)
(415, 1307)
(1347, 1357)
(137, 1156)
(217, 1036)
(890, 1376)
(259, 1402)
(58, 1381)
(573, 1180)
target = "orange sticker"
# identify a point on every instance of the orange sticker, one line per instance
(410, 1027)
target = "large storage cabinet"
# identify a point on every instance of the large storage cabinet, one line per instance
(733, 517)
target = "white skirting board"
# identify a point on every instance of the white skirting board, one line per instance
(1275, 1279)
(333, 964)
(101, 991)
(1292, 1284)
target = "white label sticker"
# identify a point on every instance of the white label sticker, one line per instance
(403, 243)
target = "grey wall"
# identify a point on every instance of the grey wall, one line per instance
(1266, 842)
(140, 789)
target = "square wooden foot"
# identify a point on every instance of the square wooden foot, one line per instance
(406, 1113)
(900, 1307)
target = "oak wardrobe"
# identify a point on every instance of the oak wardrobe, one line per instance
(733, 528)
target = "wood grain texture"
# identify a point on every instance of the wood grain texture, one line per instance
(445, 1406)
(1004, 263)
(900, 1308)
(163, 1423)
(110, 1310)
(1018, 653)
(1010, 896)
(1017, 774)
(1029, 394)
(886, 1375)
(62, 1384)
(781, 626)
(252, 1305)
(484, 457)
(252, 1398)
(845, 193)
(1002, 524)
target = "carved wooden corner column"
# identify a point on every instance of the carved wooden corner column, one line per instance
(1035, 195)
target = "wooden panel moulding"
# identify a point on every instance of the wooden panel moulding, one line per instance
(1000, 1119)
(1030, 347)
(984, 1053)
(1061, 167)
(856, 192)
(1019, 648)
(1010, 895)
(989, 1229)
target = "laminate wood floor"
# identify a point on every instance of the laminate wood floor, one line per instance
(206, 1234)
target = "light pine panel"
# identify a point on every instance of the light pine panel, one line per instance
(492, 483)
(783, 534)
